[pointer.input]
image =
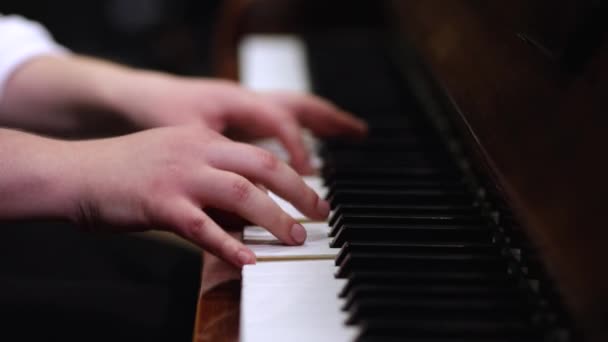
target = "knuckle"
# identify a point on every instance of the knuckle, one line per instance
(194, 226)
(268, 160)
(241, 189)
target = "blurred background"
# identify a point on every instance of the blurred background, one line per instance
(111, 274)
(168, 35)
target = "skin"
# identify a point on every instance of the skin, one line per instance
(166, 165)
(50, 94)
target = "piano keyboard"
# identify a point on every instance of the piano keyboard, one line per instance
(417, 254)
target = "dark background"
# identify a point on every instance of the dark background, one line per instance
(60, 283)
(169, 35)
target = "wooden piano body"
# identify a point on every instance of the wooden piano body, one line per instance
(523, 84)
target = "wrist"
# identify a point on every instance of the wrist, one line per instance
(38, 177)
(63, 182)
(67, 179)
(124, 91)
(108, 84)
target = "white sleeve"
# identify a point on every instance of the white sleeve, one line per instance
(20, 40)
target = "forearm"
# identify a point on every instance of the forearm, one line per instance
(37, 177)
(67, 95)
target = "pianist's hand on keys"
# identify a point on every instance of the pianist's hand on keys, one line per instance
(163, 177)
(227, 107)
(65, 86)
(160, 178)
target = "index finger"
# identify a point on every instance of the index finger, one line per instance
(321, 116)
(262, 166)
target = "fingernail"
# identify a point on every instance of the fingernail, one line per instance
(245, 258)
(298, 233)
(323, 207)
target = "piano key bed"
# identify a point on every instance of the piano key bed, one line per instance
(412, 251)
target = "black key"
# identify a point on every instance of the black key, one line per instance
(422, 219)
(395, 247)
(392, 197)
(388, 209)
(451, 330)
(401, 184)
(405, 173)
(411, 233)
(422, 262)
(404, 277)
(431, 290)
(494, 309)
(440, 262)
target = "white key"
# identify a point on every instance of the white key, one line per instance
(267, 247)
(274, 146)
(273, 62)
(291, 302)
(315, 183)
(276, 62)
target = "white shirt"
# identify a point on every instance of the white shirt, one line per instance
(20, 40)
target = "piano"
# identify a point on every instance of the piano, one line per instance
(474, 211)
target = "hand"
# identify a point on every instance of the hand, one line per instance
(166, 178)
(155, 100)
(78, 96)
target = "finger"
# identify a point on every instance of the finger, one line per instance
(290, 135)
(321, 116)
(260, 117)
(193, 224)
(264, 167)
(231, 192)
(325, 120)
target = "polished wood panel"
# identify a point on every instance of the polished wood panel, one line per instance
(218, 307)
(539, 128)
